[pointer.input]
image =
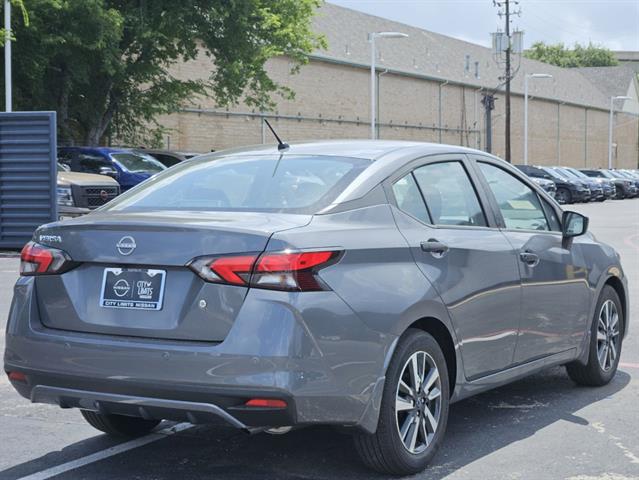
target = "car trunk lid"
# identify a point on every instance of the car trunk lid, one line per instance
(133, 279)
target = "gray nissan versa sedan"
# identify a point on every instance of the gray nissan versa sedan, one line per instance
(362, 284)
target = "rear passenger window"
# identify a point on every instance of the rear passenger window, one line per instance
(519, 204)
(409, 199)
(449, 195)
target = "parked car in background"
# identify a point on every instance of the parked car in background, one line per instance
(581, 193)
(568, 191)
(544, 181)
(597, 193)
(362, 284)
(630, 176)
(165, 157)
(79, 193)
(624, 187)
(608, 186)
(129, 167)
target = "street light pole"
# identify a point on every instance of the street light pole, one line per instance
(610, 122)
(7, 57)
(371, 38)
(533, 75)
(373, 93)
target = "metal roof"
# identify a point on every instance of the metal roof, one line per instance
(440, 57)
(612, 81)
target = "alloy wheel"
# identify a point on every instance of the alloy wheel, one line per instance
(608, 335)
(418, 402)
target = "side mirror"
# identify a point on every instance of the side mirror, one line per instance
(111, 172)
(573, 224)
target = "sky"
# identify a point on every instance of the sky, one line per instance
(610, 23)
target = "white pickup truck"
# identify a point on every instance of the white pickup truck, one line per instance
(79, 193)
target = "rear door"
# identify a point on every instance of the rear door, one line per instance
(472, 266)
(555, 290)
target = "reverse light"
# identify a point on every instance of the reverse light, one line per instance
(292, 271)
(266, 403)
(36, 259)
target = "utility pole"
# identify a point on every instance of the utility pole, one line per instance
(505, 44)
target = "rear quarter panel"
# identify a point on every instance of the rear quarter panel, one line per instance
(377, 276)
(603, 263)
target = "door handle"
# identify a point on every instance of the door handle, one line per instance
(529, 258)
(435, 247)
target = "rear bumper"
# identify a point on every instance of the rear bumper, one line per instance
(209, 406)
(311, 351)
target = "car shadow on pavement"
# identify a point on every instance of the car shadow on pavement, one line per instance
(477, 427)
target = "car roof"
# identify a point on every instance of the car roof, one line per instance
(366, 149)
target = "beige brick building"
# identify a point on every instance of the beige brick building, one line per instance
(429, 88)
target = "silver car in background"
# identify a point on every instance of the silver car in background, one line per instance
(362, 284)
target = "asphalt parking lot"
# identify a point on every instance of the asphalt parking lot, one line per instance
(543, 427)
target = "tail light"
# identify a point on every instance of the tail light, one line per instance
(291, 271)
(36, 259)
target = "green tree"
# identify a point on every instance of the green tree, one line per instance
(19, 4)
(580, 56)
(106, 63)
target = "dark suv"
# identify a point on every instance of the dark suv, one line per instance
(607, 185)
(568, 191)
(597, 193)
(624, 186)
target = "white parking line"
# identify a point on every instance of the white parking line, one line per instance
(109, 452)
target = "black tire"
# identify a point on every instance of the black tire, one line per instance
(119, 425)
(593, 374)
(385, 450)
(563, 195)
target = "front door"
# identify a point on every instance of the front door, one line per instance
(472, 266)
(555, 294)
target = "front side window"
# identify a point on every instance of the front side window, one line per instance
(409, 199)
(449, 194)
(519, 204)
(291, 183)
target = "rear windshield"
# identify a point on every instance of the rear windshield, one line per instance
(138, 162)
(295, 184)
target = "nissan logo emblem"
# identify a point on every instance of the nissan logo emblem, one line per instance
(104, 195)
(126, 245)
